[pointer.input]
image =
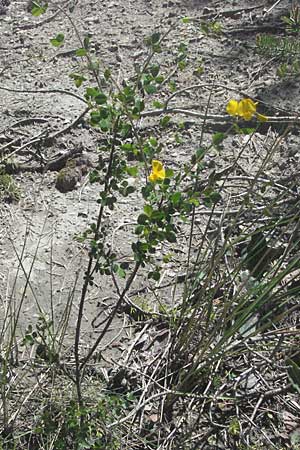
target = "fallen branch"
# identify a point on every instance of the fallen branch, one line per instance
(54, 164)
(226, 13)
(30, 26)
(294, 120)
(43, 137)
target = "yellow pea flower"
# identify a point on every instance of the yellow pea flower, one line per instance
(158, 171)
(245, 108)
(233, 107)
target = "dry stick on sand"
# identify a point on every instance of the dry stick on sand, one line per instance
(43, 136)
(216, 117)
(30, 26)
(227, 13)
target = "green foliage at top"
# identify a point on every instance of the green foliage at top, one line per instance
(58, 40)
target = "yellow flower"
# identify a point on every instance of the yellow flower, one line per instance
(158, 171)
(245, 108)
(232, 107)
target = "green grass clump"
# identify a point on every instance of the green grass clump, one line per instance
(9, 191)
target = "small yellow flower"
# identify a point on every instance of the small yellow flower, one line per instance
(245, 108)
(158, 171)
(232, 107)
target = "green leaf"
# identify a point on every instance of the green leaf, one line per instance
(247, 130)
(150, 88)
(152, 40)
(97, 95)
(38, 10)
(156, 48)
(218, 138)
(101, 98)
(169, 173)
(154, 70)
(181, 65)
(171, 236)
(78, 79)
(91, 92)
(154, 275)
(194, 201)
(148, 210)
(159, 79)
(119, 271)
(164, 121)
(95, 117)
(200, 153)
(186, 19)
(142, 219)
(165, 182)
(178, 138)
(94, 176)
(286, 20)
(126, 130)
(172, 86)
(58, 41)
(155, 38)
(167, 258)
(86, 42)
(158, 104)
(157, 215)
(215, 197)
(105, 124)
(211, 197)
(198, 71)
(153, 141)
(81, 52)
(176, 198)
(128, 190)
(182, 47)
(128, 147)
(139, 229)
(139, 104)
(132, 171)
(107, 74)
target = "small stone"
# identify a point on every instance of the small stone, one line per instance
(113, 48)
(83, 214)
